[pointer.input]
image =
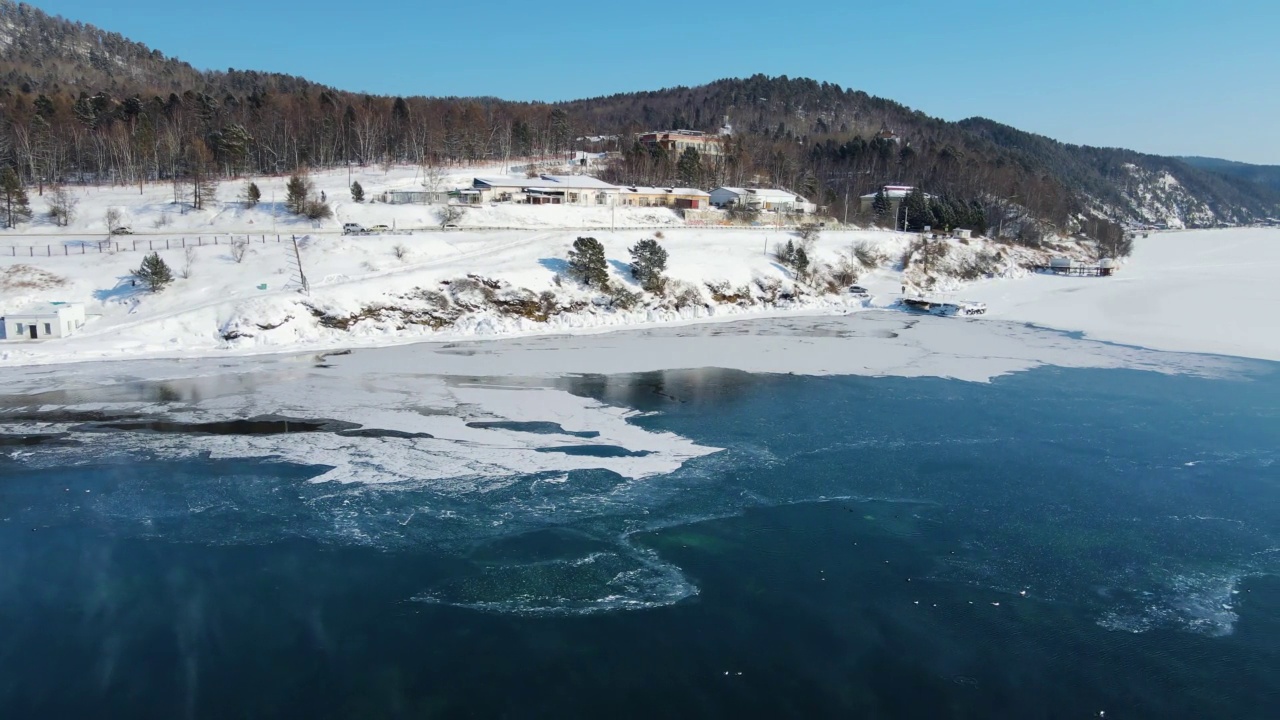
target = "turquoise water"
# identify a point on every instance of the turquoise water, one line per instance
(1057, 543)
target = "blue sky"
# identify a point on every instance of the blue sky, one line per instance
(1164, 76)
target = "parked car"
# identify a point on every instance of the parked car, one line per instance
(451, 226)
(380, 229)
(122, 230)
(353, 229)
(858, 291)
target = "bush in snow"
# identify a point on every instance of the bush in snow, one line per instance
(868, 256)
(648, 260)
(622, 298)
(450, 215)
(357, 192)
(808, 234)
(154, 273)
(238, 250)
(317, 210)
(401, 251)
(845, 270)
(587, 263)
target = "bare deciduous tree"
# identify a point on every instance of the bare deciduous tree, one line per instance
(189, 261)
(62, 206)
(113, 218)
(238, 250)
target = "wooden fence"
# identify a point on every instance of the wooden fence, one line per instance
(87, 247)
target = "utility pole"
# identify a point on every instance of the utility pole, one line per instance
(302, 277)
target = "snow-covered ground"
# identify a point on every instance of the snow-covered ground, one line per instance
(1201, 291)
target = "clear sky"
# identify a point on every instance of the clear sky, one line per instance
(1165, 76)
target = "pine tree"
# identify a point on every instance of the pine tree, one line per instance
(689, 168)
(648, 260)
(800, 262)
(357, 192)
(252, 195)
(154, 273)
(16, 205)
(915, 209)
(296, 192)
(587, 263)
(881, 205)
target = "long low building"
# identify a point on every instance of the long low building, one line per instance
(542, 190)
(682, 198)
(761, 199)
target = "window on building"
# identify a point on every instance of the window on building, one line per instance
(48, 329)
(21, 329)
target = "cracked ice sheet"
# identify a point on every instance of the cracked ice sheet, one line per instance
(470, 459)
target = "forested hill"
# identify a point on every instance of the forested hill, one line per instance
(1268, 175)
(79, 104)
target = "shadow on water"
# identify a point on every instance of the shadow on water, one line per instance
(538, 428)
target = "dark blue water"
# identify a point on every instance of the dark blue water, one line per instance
(1056, 544)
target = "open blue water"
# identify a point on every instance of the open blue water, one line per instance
(1055, 544)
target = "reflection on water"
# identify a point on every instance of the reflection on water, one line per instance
(649, 391)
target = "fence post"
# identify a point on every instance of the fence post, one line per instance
(166, 243)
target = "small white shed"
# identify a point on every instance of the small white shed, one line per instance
(44, 320)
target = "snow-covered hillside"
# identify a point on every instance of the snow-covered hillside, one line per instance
(394, 288)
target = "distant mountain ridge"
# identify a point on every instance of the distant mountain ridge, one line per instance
(80, 103)
(1268, 175)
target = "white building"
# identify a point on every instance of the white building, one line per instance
(895, 194)
(543, 190)
(769, 199)
(44, 320)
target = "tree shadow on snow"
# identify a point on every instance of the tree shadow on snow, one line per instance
(560, 266)
(125, 289)
(624, 271)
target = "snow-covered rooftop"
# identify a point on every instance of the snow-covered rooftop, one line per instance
(642, 190)
(562, 182)
(43, 309)
(774, 193)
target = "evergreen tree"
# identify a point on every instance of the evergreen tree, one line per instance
(296, 192)
(915, 211)
(800, 262)
(252, 195)
(587, 263)
(16, 205)
(881, 205)
(689, 168)
(154, 273)
(786, 254)
(357, 192)
(648, 260)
